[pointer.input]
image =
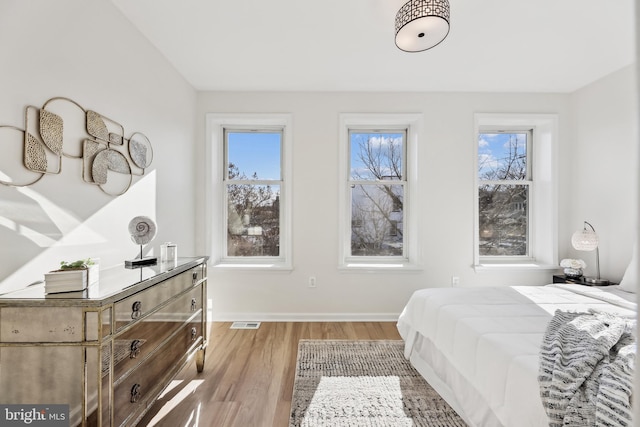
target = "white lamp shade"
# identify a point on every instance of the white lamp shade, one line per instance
(584, 240)
(422, 24)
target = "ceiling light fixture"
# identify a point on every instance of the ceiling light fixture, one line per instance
(422, 24)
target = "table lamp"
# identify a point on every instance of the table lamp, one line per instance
(587, 240)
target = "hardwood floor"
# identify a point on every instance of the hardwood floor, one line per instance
(248, 375)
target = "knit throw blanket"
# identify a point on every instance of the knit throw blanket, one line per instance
(586, 369)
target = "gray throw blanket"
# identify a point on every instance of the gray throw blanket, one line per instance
(586, 369)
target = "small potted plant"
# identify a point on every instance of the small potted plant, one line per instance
(81, 264)
(72, 276)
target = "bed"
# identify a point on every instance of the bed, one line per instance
(480, 347)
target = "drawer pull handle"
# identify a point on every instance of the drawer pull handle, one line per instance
(194, 334)
(194, 304)
(135, 393)
(135, 349)
(194, 276)
(136, 309)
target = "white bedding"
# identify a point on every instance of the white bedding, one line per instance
(479, 347)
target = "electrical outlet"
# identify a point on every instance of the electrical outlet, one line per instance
(455, 280)
(312, 282)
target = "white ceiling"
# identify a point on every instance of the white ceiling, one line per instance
(348, 45)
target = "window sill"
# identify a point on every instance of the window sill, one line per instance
(366, 267)
(524, 266)
(229, 266)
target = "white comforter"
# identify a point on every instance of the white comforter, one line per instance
(485, 343)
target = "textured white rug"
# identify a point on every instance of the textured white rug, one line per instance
(360, 399)
(363, 384)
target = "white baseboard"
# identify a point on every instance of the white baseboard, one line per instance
(303, 317)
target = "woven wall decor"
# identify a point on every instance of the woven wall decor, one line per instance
(105, 150)
(51, 131)
(35, 158)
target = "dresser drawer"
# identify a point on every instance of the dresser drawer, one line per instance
(55, 324)
(199, 273)
(134, 344)
(138, 305)
(42, 376)
(133, 394)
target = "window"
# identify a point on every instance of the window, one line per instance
(248, 195)
(377, 182)
(252, 188)
(378, 174)
(504, 185)
(516, 207)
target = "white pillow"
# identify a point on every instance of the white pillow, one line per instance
(629, 281)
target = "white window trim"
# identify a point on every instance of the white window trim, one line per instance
(528, 181)
(543, 214)
(413, 123)
(214, 190)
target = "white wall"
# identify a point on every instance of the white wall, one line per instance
(599, 171)
(445, 205)
(87, 51)
(597, 127)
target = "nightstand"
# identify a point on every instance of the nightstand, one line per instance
(561, 278)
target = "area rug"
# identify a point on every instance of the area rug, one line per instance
(363, 384)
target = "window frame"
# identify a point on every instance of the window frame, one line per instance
(364, 183)
(411, 123)
(216, 194)
(542, 199)
(527, 182)
(227, 182)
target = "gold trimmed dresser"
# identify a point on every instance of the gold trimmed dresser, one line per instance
(109, 351)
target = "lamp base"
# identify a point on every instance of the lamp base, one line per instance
(596, 282)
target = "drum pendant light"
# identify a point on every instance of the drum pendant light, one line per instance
(422, 24)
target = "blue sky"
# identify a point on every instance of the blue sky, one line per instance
(378, 141)
(257, 152)
(493, 149)
(260, 152)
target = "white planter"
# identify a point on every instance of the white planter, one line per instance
(93, 274)
(66, 280)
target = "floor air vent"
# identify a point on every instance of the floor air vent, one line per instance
(245, 325)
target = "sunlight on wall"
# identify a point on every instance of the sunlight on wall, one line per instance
(103, 235)
(58, 217)
(29, 233)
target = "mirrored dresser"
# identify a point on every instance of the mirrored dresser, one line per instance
(110, 351)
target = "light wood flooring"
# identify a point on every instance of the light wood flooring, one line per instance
(248, 374)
